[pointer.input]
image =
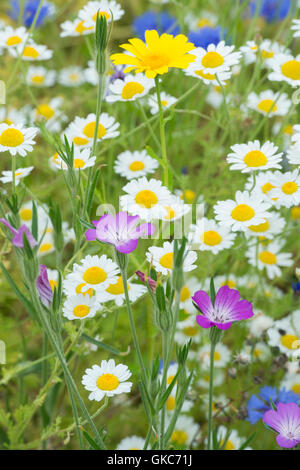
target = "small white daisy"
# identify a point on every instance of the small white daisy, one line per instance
(197, 21)
(293, 154)
(219, 378)
(208, 235)
(269, 103)
(285, 334)
(229, 280)
(247, 209)
(262, 185)
(186, 330)
(286, 189)
(296, 28)
(7, 176)
(273, 225)
(190, 286)
(106, 380)
(115, 292)
(254, 156)
(96, 272)
(17, 139)
(162, 258)
(106, 8)
(51, 113)
(292, 382)
(233, 442)
(131, 88)
(185, 431)
(80, 307)
(72, 76)
(75, 28)
(81, 130)
(11, 38)
(135, 164)
(259, 324)
(285, 68)
(166, 100)
(221, 356)
(82, 160)
(146, 198)
(175, 210)
(259, 352)
(269, 258)
(40, 77)
(131, 443)
(31, 52)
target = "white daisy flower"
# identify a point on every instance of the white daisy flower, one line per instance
(229, 280)
(215, 96)
(131, 443)
(171, 372)
(11, 37)
(40, 77)
(108, 9)
(262, 185)
(31, 52)
(82, 160)
(269, 103)
(293, 154)
(259, 324)
(186, 330)
(72, 76)
(7, 176)
(52, 278)
(220, 405)
(292, 382)
(115, 292)
(162, 258)
(273, 225)
(135, 164)
(51, 113)
(80, 307)
(47, 245)
(81, 130)
(185, 431)
(146, 198)
(249, 51)
(96, 272)
(286, 189)
(17, 139)
(221, 357)
(233, 442)
(10, 115)
(190, 286)
(285, 68)
(26, 214)
(197, 21)
(208, 235)
(247, 209)
(166, 100)
(213, 62)
(296, 27)
(285, 334)
(72, 286)
(267, 49)
(131, 88)
(75, 28)
(172, 402)
(254, 156)
(259, 352)
(176, 210)
(218, 378)
(287, 132)
(106, 380)
(269, 258)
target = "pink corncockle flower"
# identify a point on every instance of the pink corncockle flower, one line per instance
(144, 278)
(18, 234)
(43, 286)
(286, 421)
(227, 308)
(121, 230)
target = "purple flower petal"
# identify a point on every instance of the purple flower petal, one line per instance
(201, 298)
(223, 326)
(203, 321)
(286, 443)
(127, 247)
(90, 234)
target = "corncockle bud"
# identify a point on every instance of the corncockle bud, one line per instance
(18, 235)
(163, 314)
(144, 278)
(43, 286)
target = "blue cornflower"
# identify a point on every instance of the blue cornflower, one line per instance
(271, 10)
(30, 9)
(202, 37)
(162, 22)
(258, 405)
(296, 288)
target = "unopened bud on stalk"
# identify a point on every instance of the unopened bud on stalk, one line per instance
(102, 36)
(179, 256)
(163, 314)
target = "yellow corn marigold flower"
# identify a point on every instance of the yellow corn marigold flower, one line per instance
(156, 55)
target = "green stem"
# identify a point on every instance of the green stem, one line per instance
(210, 393)
(162, 134)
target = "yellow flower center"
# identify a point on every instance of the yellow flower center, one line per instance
(289, 188)
(267, 106)
(203, 22)
(230, 283)
(180, 437)
(190, 331)
(169, 379)
(296, 388)
(189, 195)
(81, 311)
(267, 54)
(11, 138)
(267, 187)
(255, 158)
(45, 247)
(295, 213)
(30, 52)
(89, 292)
(131, 89)
(46, 111)
(26, 214)
(94, 275)
(13, 41)
(288, 129)
(291, 69)
(170, 403)
(74, 77)
(166, 261)
(53, 284)
(89, 130)
(217, 356)
(171, 214)
(146, 198)
(107, 382)
(155, 61)
(206, 76)
(164, 103)
(261, 227)
(212, 60)
(117, 288)
(257, 352)
(80, 141)
(242, 213)
(267, 257)
(185, 294)
(37, 79)
(79, 163)
(80, 28)
(211, 238)
(228, 446)
(136, 166)
(101, 14)
(290, 341)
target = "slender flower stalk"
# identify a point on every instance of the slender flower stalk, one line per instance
(162, 135)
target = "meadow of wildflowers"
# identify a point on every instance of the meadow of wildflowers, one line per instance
(149, 224)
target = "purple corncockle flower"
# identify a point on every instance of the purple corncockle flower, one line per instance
(18, 234)
(43, 286)
(227, 308)
(121, 230)
(286, 421)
